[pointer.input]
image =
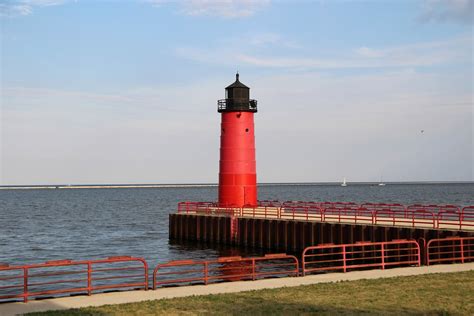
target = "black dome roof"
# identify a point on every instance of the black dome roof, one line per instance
(237, 83)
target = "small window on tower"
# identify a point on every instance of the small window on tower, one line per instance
(247, 130)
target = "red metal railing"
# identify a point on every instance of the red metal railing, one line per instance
(264, 211)
(344, 205)
(363, 255)
(458, 219)
(413, 218)
(224, 269)
(67, 276)
(195, 207)
(381, 206)
(450, 250)
(271, 203)
(434, 216)
(302, 212)
(290, 204)
(62, 277)
(434, 207)
(384, 206)
(358, 215)
(467, 217)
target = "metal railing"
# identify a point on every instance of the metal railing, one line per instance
(243, 105)
(68, 276)
(450, 250)
(341, 212)
(434, 207)
(189, 272)
(363, 255)
(435, 216)
(87, 277)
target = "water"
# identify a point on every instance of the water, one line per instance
(39, 225)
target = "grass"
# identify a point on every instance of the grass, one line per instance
(431, 294)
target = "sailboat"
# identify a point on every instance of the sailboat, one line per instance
(344, 184)
(381, 184)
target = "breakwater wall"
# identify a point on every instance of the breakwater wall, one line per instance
(291, 235)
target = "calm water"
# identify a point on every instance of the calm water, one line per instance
(39, 225)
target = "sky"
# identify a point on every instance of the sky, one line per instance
(97, 92)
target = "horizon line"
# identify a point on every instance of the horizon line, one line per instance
(204, 184)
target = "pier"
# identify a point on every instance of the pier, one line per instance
(293, 226)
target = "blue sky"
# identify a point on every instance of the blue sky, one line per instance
(125, 91)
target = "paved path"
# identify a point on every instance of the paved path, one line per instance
(230, 287)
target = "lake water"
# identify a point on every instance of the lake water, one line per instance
(39, 225)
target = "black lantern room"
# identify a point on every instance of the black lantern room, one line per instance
(237, 99)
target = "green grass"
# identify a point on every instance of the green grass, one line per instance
(432, 294)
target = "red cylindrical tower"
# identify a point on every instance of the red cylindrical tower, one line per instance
(237, 166)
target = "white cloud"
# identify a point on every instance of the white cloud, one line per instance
(368, 52)
(220, 8)
(25, 7)
(448, 10)
(411, 55)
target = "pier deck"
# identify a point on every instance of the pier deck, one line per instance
(292, 228)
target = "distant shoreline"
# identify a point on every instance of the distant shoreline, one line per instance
(204, 185)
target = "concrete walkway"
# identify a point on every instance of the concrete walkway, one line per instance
(230, 287)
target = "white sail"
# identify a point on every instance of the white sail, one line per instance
(381, 184)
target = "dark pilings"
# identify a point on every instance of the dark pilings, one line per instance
(289, 235)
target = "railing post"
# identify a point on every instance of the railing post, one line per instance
(419, 253)
(145, 267)
(427, 251)
(253, 269)
(206, 272)
(89, 278)
(25, 285)
(303, 263)
(382, 249)
(344, 258)
(462, 249)
(297, 266)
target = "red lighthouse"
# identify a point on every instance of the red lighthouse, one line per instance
(237, 166)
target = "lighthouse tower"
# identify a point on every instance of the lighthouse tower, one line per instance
(237, 166)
